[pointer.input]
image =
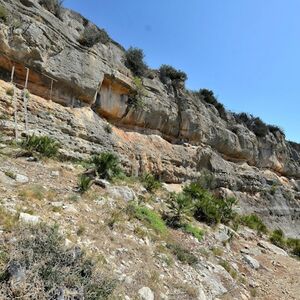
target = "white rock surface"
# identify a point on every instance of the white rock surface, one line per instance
(27, 218)
(253, 263)
(22, 178)
(145, 293)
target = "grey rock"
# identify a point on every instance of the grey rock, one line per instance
(121, 192)
(27, 218)
(57, 204)
(146, 293)
(102, 182)
(21, 178)
(16, 271)
(268, 246)
(252, 262)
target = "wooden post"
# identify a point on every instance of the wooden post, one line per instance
(14, 102)
(25, 100)
(51, 88)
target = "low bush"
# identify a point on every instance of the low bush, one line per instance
(278, 239)
(274, 129)
(42, 144)
(107, 165)
(51, 269)
(209, 97)
(10, 91)
(255, 124)
(7, 220)
(228, 268)
(138, 94)
(134, 60)
(3, 14)
(208, 208)
(167, 72)
(54, 6)
(194, 231)
(150, 218)
(85, 183)
(254, 222)
(93, 35)
(183, 254)
(150, 183)
(180, 208)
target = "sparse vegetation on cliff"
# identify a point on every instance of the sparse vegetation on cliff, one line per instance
(3, 14)
(134, 60)
(209, 97)
(93, 35)
(138, 94)
(167, 72)
(54, 6)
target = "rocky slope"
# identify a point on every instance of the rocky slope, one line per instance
(137, 257)
(175, 134)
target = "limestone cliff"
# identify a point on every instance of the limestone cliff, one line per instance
(175, 134)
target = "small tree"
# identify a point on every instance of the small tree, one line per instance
(168, 72)
(134, 60)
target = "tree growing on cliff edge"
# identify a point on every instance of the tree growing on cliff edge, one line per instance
(54, 6)
(134, 60)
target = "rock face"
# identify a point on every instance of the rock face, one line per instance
(175, 135)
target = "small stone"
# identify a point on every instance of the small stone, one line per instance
(145, 293)
(102, 182)
(55, 173)
(27, 218)
(2, 146)
(252, 262)
(31, 158)
(57, 204)
(22, 178)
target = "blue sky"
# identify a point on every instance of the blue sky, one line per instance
(246, 51)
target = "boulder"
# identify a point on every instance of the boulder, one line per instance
(27, 218)
(146, 293)
(252, 262)
(121, 192)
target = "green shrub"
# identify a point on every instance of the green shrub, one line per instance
(208, 208)
(137, 96)
(180, 208)
(93, 35)
(209, 97)
(254, 222)
(228, 268)
(134, 60)
(183, 254)
(277, 238)
(167, 72)
(10, 91)
(3, 14)
(108, 128)
(149, 217)
(42, 144)
(50, 267)
(85, 183)
(194, 231)
(107, 165)
(150, 183)
(294, 245)
(255, 124)
(54, 6)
